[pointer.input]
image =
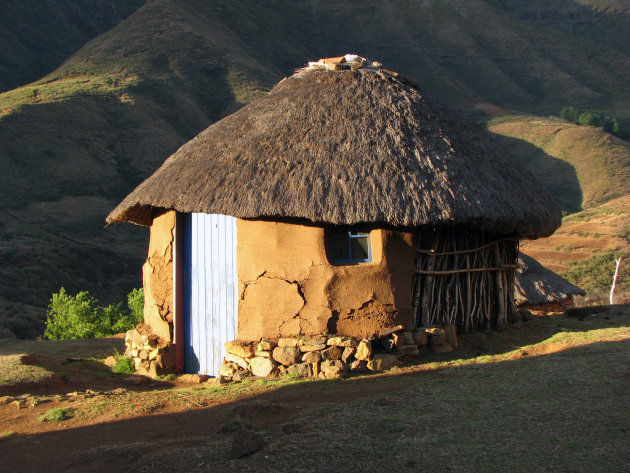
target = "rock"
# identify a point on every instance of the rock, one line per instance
(166, 359)
(133, 353)
(236, 359)
(262, 353)
(6, 400)
(420, 337)
(313, 345)
(382, 362)
(266, 345)
(153, 371)
(261, 366)
(136, 337)
(134, 380)
(358, 366)
(451, 336)
(303, 370)
(220, 380)
(154, 353)
(227, 369)
(315, 369)
(286, 355)
(342, 342)
(332, 369)
(408, 350)
(240, 375)
(246, 442)
(388, 331)
(312, 357)
(19, 403)
(439, 344)
(192, 378)
(332, 353)
(110, 361)
(288, 342)
(388, 343)
(364, 350)
(143, 355)
(348, 353)
(242, 348)
(435, 331)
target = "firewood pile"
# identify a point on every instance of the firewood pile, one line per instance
(328, 357)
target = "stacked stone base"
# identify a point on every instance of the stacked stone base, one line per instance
(150, 357)
(328, 357)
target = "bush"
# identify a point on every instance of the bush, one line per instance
(570, 114)
(79, 316)
(592, 118)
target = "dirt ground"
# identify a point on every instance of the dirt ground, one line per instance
(117, 425)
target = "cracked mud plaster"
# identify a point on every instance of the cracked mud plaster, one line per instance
(271, 302)
(157, 275)
(288, 287)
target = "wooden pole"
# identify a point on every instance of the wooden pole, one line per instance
(614, 284)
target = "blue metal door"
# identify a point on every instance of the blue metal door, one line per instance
(210, 294)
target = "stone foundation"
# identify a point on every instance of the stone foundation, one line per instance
(151, 357)
(328, 357)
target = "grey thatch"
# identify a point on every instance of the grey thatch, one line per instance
(345, 147)
(536, 284)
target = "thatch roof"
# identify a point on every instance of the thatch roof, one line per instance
(345, 147)
(536, 284)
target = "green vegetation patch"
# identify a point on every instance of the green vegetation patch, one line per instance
(57, 414)
(595, 274)
(123, 365)
(79, 316)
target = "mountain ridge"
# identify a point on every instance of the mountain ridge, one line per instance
(76, 141)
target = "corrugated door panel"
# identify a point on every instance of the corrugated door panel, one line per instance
(210, 290)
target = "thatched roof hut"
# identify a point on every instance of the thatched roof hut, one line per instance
(344, 201)
(345, 147)
(538, 286)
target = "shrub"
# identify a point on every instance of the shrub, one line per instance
(79, 316)
(57, 414)
(123, 364)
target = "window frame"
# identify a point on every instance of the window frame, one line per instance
(349, 233)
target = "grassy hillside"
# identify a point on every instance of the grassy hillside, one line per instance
(585, 247)
(73, 143)
(581, 166)
(38, 36)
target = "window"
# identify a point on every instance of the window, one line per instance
(349, 244)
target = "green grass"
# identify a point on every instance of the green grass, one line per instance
(57, 414)
(124, 364)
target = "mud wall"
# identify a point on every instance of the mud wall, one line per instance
(288, 287)
(157, 275)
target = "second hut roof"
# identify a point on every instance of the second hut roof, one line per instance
(345, 147)
(535, 284)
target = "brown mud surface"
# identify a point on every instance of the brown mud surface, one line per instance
(152, 426)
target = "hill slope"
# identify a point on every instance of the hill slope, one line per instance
(581, 166)
(36, 37)
(75, 142)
